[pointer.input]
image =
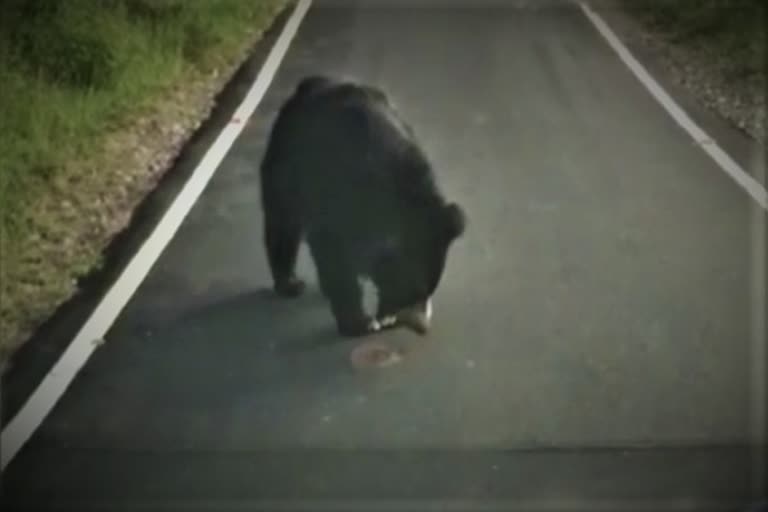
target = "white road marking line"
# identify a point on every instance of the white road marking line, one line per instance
(53, 386)
(705, 142)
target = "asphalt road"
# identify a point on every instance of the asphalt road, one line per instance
(591, 337)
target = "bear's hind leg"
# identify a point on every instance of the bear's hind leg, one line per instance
(282, 241)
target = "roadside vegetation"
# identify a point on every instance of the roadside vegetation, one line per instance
(717, 49)
(97, 97)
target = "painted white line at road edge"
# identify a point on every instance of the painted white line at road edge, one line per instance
(705, 142)
(53, 386)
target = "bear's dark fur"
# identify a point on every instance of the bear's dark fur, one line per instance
(344, 172)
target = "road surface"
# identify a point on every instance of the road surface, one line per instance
(591, 338)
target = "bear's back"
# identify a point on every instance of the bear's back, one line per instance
(346, 157)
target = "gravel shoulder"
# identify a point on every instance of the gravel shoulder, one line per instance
(722, 65)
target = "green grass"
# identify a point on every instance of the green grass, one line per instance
(75, 72)
(51, 115)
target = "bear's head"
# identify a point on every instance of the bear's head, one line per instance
(409, 270)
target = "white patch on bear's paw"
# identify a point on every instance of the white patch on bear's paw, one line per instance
(428, 309)
(388, 321)
(417, 317)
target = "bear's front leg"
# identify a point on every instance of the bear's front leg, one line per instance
(346, 297)
(337, 276)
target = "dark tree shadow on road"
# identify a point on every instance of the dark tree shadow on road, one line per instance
(251, 369)
(276, 324)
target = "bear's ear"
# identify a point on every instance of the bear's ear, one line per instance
(454, 221)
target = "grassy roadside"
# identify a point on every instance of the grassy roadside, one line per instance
(715, 48)
(98, 97)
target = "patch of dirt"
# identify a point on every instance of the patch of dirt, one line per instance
(373, 354)
(84, 208)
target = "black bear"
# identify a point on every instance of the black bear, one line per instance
(344, 172)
